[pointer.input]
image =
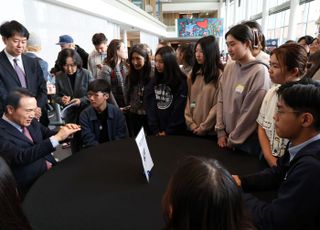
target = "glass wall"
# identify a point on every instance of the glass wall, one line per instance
(307, 15)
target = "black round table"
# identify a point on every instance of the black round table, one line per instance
(104, 187)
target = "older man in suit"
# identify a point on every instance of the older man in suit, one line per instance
(18, 70)
(24, 142)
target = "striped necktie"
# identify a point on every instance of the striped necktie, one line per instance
(20, 73)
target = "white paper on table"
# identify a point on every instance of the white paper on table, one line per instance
(144, 153)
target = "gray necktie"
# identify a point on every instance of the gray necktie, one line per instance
(20, 73)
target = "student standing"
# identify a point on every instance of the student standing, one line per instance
(166, 95)
(259, 42)
(98, 55)
(243, 86)
(139, 76)
(201, 108)
(115, 71)
(288, 63)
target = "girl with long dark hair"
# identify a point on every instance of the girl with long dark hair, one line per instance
(139, 76)
(166, 95)
(115, 71)
(201, 108)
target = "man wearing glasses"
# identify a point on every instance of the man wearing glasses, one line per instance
(101, 122)
(296, 175)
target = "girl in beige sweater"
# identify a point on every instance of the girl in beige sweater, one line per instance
(201, 109)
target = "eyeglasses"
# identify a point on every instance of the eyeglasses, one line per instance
(280, 111)
(309, 64)
(97, 94)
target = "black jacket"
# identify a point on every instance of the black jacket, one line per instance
(82, 53)
(297, 205)
(165, 107)
(26, 159)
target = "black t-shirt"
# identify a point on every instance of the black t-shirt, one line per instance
(103, 117)
(72, 79)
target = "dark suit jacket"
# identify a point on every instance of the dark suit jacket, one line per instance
(9, 80)
(90, 125)
(297, 205)
(27, 159)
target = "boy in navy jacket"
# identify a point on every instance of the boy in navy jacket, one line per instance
(101, 121)
(296, 176)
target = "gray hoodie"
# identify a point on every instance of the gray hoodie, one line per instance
(242, 89)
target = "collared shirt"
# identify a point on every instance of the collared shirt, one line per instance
(19, 60)
(295, 149)
(53, 141)
(18, 127)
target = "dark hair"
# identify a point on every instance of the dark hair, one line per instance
(112, 56)
(291, 56)
(99, 38)
(212, 66)
(303, 96)
(11, 214)
(187, 49)
(142, 75)
(163, 43)
(290, 42)
(65, 53)
(9, 29)
(99, 85)
(202, 194)
(307, 38)
(259, 38)
(315, 57)
(315, 39)
(148, 49)
(242, 33)
(172, 73)
(13, 99)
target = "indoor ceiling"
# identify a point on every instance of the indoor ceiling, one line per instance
(191, 1)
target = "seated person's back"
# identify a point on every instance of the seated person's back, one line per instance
(201, 194)
(11, 214)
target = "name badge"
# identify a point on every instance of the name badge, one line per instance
(192, 105)
(239, 88)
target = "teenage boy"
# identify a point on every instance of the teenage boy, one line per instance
(296, 176)
(97, 56)
(101, 121)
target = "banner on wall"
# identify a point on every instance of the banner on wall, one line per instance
(199, 27)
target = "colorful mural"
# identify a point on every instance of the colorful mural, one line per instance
(199, 27)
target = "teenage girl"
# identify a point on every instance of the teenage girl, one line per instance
(287, 63)
(166, 95)
(140, 73)
(243, 86)
(201, 108)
